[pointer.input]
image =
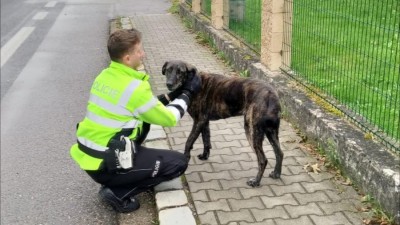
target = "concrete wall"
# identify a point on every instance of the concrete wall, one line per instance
(370, 166)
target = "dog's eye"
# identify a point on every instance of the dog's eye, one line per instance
(181, 70)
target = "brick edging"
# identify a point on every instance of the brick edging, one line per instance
(171, 200)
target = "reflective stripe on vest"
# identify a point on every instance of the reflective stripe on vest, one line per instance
(109, 106)
(144, 108)
(110, 122)
(119, 109)
(123, 101)
(91, 144)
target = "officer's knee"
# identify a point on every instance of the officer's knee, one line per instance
(183, 163)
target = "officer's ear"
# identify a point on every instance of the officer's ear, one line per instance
(125, 59)
(164, 68)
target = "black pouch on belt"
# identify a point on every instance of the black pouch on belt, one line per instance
(111, 160)
(120, 154)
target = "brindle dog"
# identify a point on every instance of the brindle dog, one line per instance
(222, 97)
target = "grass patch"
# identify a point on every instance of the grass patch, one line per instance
(188, 24)
(350, 51)
(117, 23)
(378, 215)
(206, 7)
(204, 39)
(221, 55)
(244, 73)
(245, 22)
(174, 9)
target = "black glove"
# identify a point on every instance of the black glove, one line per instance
(143, 133)
(192, 86)
(165, 99)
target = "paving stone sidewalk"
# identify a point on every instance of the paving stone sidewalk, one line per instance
(218, 186)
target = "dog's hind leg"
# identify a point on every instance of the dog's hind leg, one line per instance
(255, 136)
(272, 135)
(205, 134)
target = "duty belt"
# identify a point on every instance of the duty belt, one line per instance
(91, 152)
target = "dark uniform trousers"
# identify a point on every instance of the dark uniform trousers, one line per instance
(151, 167)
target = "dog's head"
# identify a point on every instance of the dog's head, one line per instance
(177, 72)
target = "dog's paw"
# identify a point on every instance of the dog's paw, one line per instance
(203, 156)
(253, 183)
(275, 175)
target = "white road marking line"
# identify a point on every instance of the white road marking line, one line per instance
(13, 44)
(50, 4)
(40, 15)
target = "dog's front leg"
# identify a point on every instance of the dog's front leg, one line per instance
(194, 134)
(205, 134)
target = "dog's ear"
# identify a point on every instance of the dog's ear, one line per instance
(191, 71)
(164, 67)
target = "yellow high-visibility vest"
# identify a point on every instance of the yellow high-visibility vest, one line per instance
(120, 100)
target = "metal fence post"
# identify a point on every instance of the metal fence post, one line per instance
(272, 33)
(287, 32)
(217, 13)
(196, 6)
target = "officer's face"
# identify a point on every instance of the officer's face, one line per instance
(134, 58)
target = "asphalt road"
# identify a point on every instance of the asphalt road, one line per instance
(51, 52)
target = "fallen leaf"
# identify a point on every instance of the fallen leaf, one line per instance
(347, 182)
(364, 209)
(366, 221)
(315, 168)
(307, 167)
(312, 168)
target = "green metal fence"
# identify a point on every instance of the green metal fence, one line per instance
(348, 52)
(243, 19)
(206, 7)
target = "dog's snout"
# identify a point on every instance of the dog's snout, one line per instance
(169, 85)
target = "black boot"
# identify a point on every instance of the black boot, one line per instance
(120, 205)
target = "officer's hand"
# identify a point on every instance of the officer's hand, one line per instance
(193, 85)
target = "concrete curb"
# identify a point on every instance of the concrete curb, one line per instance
(171, 200)
(369, 164)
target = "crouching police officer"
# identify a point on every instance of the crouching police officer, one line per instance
(120, 110)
